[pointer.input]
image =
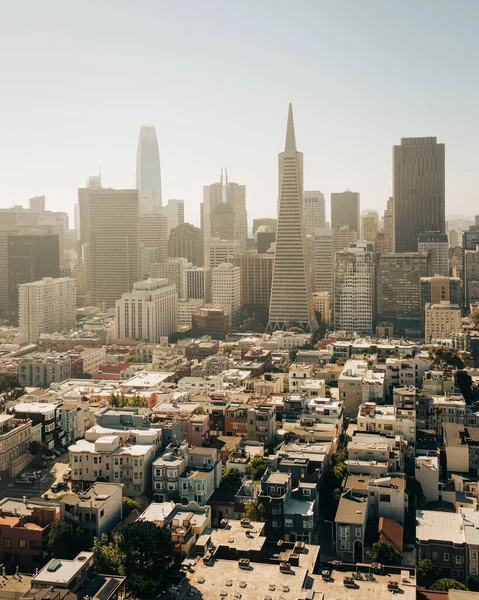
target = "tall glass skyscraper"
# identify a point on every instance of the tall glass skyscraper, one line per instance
(148, 171)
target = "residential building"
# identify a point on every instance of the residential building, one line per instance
(148, 171)
(322, 305)
(387, 420)
(427, 474)
(148, 312)
(15, 438)
(47, 306)
(291, 291)
(345, 210)
(114, 256)
(354, 298)
(441, 320)
(405, 372)
(167, 470)
(418, 190)
(186, 241)
(314, 210)
(226, 289)
(435, 290)
(41, 369)
(24, 528)
(436, 246)
(97, 510)
(261, 424)
(350, 527)
(350, 385)
(461, 447)
(45, 414)
(202, 475)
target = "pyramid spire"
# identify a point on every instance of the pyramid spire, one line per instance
(290, 145)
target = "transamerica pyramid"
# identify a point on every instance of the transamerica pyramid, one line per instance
(291, 291)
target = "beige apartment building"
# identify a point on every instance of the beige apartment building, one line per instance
(15, 438)
(441, 320)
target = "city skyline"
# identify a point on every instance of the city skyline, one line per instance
(348, 136)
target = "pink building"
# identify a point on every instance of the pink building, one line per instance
(199, 430)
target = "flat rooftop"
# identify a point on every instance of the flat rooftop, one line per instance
(234, 534)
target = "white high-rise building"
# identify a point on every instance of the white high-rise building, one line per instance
(175, 213)
(314, 210)
(354, 289)
(226, 289)
(369, 225)
(172, 269)
(47, 306)
(323, 260)
(221, 251)
(291, 290)
(148, 312)
(148, 171)
(436, 246)
(197, 283)
(441, 320)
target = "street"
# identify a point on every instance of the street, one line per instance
(16, 488)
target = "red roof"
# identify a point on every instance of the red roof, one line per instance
(391, 531)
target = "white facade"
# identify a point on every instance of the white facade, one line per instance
(226, 288)
(387, 420)
(186, 310)
(47, 306)
(197, 283)
(427, 474)
(354, 291)
(314, 210)
(221, 251)
(149, 312)
(175, 213)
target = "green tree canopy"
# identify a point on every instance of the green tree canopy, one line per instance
(445, 584)
(231, 480)
(384, 553)
(427, 572)
(254, 510)
(10, 388)
(65, 540)
(256, 468)
(106, 558)
(129, 506)
(147, 558)
(445, 357)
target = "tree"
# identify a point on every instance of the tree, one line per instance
(106, 558)
(231, 480)
(445, 357)
(254, 511)
(465, 384)
(65, 540)
(415, 493)
(384, 553)
(292, 354)
(10, 388)
(339, 465)
(256, 468)
(427, 572)
(35, 448)
(442, 585)
(148, 559)
(129, 506)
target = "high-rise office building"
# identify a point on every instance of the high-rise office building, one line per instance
(197, 283)
(148, 312)
(291, 290)
(436, 246)
(441, 320)
(30, 258)
(153, 239)
(323, 260)
(224, 214)
(114, 244)
(186, 241)
(470, 237)
(471, 276)
(369, 226)
(314, 210)
(221, 251)
(256, 278)
(354, 289)
(264, 240)
(343, 237)
(270, 223)
(398, 290)
(148, 171)
(389, 228)
(175, 213)
(226, 289)
(172, 269)
(47, 306)
(418, 190)
(345, 210)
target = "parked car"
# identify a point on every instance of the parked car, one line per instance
(67, 474)
(49, 457)
(24, 481)
(56, 452)
(58, 487)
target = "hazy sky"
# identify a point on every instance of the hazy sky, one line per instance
(78, 78)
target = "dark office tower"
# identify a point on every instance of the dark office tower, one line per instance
(418, 190)
(264, 239)
(114, 245)
(186, 241)
(30, 258)
(291, 291)
(398, 291)
(345, 210)
(470, 237)
(148, 172)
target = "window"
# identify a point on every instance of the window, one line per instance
(473, 569)
(446, 556)
(435, 556)
(288, 523)
(473, 554)
(458, 559)
(357, 531)
(22, 543)
(35, 544)
(6, 543)
(384, 498)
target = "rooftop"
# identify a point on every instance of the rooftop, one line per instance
(61, 571)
